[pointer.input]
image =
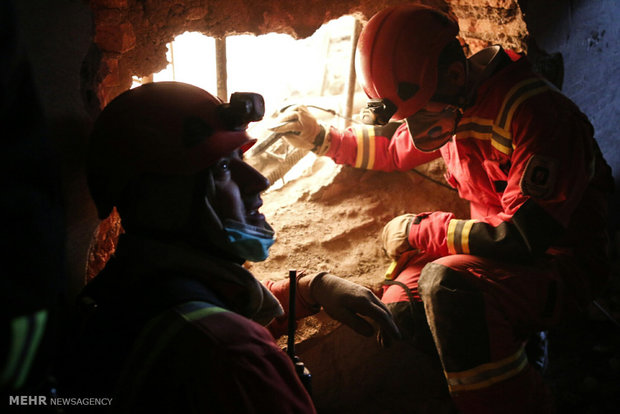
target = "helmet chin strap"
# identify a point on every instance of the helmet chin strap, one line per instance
(208, 196)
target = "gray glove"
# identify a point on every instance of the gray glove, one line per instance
(301, 129)
(347, 302)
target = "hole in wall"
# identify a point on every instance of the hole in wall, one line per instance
(315, 71)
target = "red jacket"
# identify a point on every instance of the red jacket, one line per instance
(525, 158)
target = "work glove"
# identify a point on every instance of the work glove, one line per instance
(395, 236)
(349, 303)
(301, 129)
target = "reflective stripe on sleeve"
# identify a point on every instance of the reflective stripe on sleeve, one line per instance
(485, 130)
(519, 93)
(191, 311)
(485, 375)
(458, 236)
(365, 137)
(498, 131)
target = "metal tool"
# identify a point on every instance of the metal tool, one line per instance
(302, 372)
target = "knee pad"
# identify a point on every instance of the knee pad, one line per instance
(456, 314)
(411, 321)
(435, 277)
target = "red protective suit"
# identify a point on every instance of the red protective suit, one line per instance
(534, 248)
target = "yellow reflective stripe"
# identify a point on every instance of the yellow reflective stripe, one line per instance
(484, 129)
(515, 96)
(359, 159)
(465, 235)
(498, 131)
(488, 374)
(501, 147)
(541, 87)
(371, 148)
(365, 138)
(458, 236)
(450, 236)
(481, 123)
(507, 104)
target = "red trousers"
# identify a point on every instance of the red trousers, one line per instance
(480, 313)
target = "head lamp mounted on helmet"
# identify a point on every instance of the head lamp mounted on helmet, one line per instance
(243, 108)
(378, 112)
(164, 128)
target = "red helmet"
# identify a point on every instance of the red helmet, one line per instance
(167, 128)
(398, 53)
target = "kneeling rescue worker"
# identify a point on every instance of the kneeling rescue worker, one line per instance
(534, 249)
(174, 323)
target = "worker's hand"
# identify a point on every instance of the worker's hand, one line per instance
(301, 129)
(395, 236)
(349, 303)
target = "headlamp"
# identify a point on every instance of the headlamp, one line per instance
(243, 108)
(378, 112)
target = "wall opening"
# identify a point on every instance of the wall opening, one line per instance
(314, 71)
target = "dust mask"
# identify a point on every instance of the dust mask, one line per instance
(249, 242)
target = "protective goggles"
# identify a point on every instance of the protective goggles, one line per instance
(431, 130)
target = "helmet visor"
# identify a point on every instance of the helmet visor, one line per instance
(431, 130)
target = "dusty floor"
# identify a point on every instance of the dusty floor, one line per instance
(330, 219)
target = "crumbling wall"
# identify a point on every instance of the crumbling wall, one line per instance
(330, 218)
(132, 34)
(484, 23)
(85, 53)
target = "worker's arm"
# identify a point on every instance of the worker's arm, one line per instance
(369, 147)
(303, 307)
(553, 163)
(343, 300)
(361, 146)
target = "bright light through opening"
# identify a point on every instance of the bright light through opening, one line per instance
(311, 71)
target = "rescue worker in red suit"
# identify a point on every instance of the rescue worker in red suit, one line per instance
(174, 322)
(535, 247)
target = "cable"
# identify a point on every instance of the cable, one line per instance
(431, 179)
(606, 313)
(329, 111)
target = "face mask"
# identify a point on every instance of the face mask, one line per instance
(249, 242)
(431, 130)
